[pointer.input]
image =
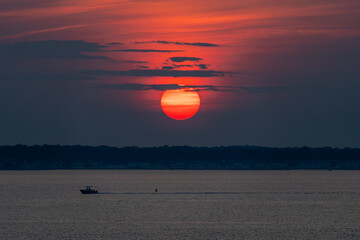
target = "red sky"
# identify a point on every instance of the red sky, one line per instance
(274, 73)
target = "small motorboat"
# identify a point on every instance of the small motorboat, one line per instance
(88, 190)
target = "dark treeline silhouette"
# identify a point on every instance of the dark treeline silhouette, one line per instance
(233, 157)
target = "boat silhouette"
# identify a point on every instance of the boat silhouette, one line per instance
(88, 190)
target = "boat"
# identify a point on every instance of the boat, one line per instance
(88, 190)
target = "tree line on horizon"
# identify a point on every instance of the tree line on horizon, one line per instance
(21, 157)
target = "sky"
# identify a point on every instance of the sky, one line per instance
(269, 73)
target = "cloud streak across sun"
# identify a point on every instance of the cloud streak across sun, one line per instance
(197, 88)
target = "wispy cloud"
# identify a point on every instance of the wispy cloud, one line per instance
(41, 31)
(115, 43)
(42, 77)
(130, 61)
(142, 66)
(203, 66)
(197, 44)
(51, 49)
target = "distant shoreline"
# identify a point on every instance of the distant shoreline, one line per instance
(199, 170)
(56, 157)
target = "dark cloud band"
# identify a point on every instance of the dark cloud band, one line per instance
(143, 50)
(184, 59)
(197, 44)
(155, 73)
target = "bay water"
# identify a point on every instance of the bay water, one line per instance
(187, 205)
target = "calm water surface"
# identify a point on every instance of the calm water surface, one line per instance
(188, 205)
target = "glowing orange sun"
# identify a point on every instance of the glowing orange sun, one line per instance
(180, 104)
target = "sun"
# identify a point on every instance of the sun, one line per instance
(180, 104)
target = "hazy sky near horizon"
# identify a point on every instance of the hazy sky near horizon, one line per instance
(270, 73)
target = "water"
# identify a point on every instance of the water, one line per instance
(188, 205)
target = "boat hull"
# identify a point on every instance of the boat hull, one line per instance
(88, 192)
